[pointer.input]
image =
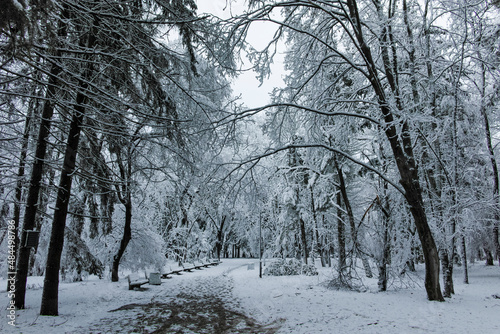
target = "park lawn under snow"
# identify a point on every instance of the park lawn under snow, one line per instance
(300, 304)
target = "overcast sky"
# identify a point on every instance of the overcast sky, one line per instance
(259, 34)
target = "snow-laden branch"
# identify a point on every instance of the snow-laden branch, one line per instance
(253, 111)
(255, 160)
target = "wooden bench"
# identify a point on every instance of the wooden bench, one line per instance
(172, 272)
(199, 266)
(135, 282)
(188, 268)
(204, 265)
(209, 263)
(214, 262)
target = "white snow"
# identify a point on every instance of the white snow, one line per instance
(301, 304)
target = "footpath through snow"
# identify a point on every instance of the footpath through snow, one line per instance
(229, 298)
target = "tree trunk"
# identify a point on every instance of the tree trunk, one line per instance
(127, 235)
(220, 236)
(382, 271)
(494, 166)
(350, 216)
(446, 258)
(489, 257)
(402, 148)
(341, 240)
(429, 249)
(18, 195)
(320, 249)
(386, 243)
(49, 304)
(464, 261)
(36, 178)
(303, 239)
(317, 241)
(496, 241)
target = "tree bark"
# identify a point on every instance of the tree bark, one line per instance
(464, 261)
(19, 193)
(341, 240)
(386, 242)
(446, 258)
(37, 171)
(316, 237)
(493, 161)
(350, 216)
(489, 257)
(403, 153)
(49, 305)
(220, 237)
(127, 235)
(303, 239)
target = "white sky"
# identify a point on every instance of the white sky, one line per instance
(259, 34)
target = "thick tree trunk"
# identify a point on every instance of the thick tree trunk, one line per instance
(303, 239)
(489, 257)
(449, 288)
(429, 249)
(18, 196)
(316, 236)
(386, 244)
(402, 148)
(494, 168)
(447, 264)
(464, 261)
(49, 305)
(341, 240)
(382, 269)
(496, 241)
(127, 235)
(34, 186)
(403, 154)
(51, 282)
(220, 236)
(37, 169)
(320, 249)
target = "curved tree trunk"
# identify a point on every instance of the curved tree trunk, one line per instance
(127, 235)
(402, 148)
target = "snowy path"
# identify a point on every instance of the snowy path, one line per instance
(202, 305)
(231, 299)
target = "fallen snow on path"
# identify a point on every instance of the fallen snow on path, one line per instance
(300, 304)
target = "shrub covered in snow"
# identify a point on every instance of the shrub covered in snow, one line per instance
(283, 267)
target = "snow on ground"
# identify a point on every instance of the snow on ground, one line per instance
(299, 304)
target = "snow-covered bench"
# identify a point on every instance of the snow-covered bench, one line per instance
(212, 263)
(171, 272)
(189, 266)
(134, 281)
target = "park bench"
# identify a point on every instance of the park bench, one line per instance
(200, 265)
(134, 281)
(172, 272)
(204, 264)
(188, 267)
(213, 262)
